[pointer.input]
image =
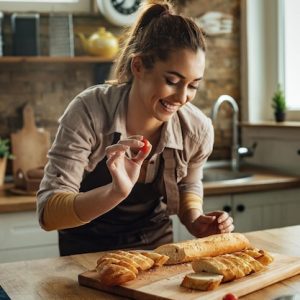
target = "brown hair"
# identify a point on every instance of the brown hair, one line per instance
(156, 32)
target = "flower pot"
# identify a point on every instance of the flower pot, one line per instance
(279, 116)
(3, 162)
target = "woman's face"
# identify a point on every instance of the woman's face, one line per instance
(169, 84)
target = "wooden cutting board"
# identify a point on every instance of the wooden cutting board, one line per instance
(30, 144)
(164, 282)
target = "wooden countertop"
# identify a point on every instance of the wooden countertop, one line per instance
(13, 202)
(56, 278)
(261, 180)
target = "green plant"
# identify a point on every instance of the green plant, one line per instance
(4, 149)
(278, 100)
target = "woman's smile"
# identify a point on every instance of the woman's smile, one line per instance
(169, 107)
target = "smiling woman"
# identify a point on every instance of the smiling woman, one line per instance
(105, 187)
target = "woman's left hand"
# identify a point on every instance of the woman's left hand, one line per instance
(211, 223)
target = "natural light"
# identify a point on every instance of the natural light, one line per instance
(292, 53)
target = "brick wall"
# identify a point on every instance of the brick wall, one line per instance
(50, 87)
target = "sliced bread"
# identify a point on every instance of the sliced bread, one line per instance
(202, 281)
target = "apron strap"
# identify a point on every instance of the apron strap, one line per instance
(170, 181)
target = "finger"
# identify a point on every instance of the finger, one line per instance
(227, 223)
(110, 150)
(141, 155)
(228, 229)
(132, 143)
(110, 162)
(223, 217)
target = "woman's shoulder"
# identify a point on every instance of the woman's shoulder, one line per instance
(103, 92)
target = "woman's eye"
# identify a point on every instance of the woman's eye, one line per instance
(193, 87)
(170, 82)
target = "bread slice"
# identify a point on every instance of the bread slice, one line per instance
(143, 262)
(159, 259)
(237, 272)
(119, 257)
(202, 281)
(255, 264)
(212, 245)
(213, 265)
(111, 260)
(261, 255)
(112, 274)
(240, 263)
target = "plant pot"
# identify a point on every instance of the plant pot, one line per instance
(279, 116)
(3, 162)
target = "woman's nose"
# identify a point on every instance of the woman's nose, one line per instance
(182, 95)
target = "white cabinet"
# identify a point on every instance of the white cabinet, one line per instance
(21, 238)
(254, 211)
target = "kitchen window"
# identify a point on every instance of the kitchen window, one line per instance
(289, 49)
(270, 47)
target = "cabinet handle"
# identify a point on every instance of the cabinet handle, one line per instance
(298, 152)
(240, 207)
(227, 208)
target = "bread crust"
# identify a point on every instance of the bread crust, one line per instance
(213, 245)
(118, 267)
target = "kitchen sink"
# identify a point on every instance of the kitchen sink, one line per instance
(224, 173)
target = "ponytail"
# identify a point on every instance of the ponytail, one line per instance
(156, 32)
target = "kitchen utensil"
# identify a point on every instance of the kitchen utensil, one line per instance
(29, 145)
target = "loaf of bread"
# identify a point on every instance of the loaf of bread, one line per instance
(212, 245)
(228, 266)
(118, 267)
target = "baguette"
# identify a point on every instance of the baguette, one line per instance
(213, 245)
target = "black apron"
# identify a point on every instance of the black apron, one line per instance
(140, 221)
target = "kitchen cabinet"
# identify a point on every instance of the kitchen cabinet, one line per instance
(21, 238)
(252, 211)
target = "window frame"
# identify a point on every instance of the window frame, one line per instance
(262, 59)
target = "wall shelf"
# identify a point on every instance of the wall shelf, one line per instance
(53, 59)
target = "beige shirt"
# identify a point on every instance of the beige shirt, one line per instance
(88, 125)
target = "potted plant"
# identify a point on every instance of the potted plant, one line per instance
(4, 155)
(279, 104)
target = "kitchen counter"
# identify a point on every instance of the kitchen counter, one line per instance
(56, 278)
(261, 180)
(15, 201)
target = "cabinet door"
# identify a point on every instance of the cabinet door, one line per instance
(256, 211)
(290, 207)
(212, 203)
(21, 238)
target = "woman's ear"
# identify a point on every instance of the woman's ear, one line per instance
(137, 66)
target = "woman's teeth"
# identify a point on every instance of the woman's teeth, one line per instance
(169, 107)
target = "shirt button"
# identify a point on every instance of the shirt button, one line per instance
(151, 162)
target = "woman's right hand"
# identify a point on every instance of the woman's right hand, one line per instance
(125, 170)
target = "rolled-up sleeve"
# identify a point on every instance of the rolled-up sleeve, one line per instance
(69, 154)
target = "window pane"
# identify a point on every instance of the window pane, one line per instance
(292, 53)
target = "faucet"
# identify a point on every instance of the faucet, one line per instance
(236, 150)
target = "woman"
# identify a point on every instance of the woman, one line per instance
(105, 189)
